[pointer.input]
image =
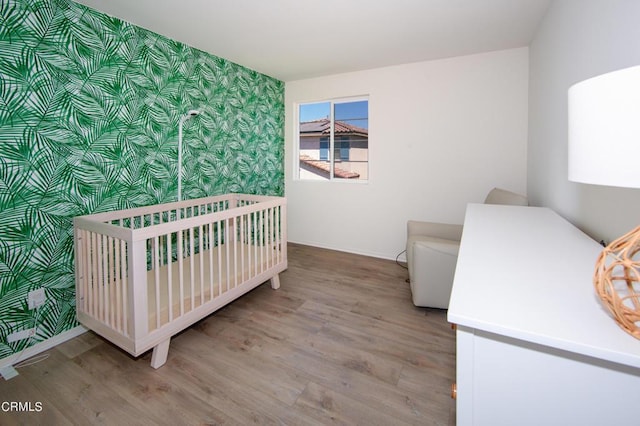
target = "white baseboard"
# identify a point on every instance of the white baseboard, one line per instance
(345, 250)
(43, 346)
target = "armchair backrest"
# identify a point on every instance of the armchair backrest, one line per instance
(502, 196)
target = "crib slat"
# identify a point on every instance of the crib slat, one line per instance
(125, 287)
(264, 239)
(100, 279)
(96, 277)
(269, 239)
(106, 285)
(283, 239)
(169, 276)
(242, 244)
(201, 257)
(192, 274)
(226, 247)
(162, 246)
(84, 272)
(181, 272)
(156, 267)
(272, 237)
(219, 242)
(276, 231)
(103, 278)
(261, 239)
(249, 243)
(117, 284)
(255, 242)
(110, 282)
(78, 241)
(211, 268)
(91, 261)
(234, 239)
(91, 264)
(276, 235)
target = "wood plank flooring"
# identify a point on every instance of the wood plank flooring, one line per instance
(339, 343)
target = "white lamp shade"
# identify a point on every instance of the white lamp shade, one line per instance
(604, 129)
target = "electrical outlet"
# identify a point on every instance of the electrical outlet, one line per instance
(21, 335)
(36, 298)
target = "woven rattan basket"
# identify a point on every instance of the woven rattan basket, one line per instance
(617, 280)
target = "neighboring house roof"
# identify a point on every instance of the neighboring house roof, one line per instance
(323, 126)
(323, 167)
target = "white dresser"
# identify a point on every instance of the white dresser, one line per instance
(534, 344)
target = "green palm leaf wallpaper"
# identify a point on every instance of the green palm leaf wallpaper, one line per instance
(89, 108)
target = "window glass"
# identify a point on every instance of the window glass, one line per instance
(324, 149)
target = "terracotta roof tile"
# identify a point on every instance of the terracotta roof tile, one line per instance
(323, 126)
(323, 166)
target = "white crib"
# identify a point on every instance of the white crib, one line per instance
(145, 274)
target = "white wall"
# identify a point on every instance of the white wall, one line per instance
(578, 39)
(441, 134)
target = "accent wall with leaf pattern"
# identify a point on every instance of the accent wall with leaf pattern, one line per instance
(89, 110)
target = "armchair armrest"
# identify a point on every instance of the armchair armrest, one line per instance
(445, 231)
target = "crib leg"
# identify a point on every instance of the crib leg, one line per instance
(275, 282)
(159, 354)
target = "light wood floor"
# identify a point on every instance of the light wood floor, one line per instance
(339, 343)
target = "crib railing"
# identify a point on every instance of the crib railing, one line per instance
(145, 272)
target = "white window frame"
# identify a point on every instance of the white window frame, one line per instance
(332, 161)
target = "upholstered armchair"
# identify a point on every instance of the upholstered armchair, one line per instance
(432, 253)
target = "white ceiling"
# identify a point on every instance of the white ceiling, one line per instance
(296, 39)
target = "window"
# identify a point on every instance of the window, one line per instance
(333, 140)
